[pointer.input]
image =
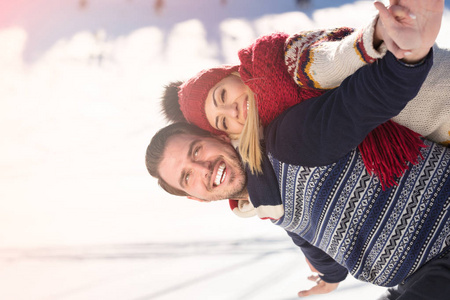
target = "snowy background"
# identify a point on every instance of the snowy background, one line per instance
(80, 218)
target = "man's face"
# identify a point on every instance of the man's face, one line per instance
(206, 168)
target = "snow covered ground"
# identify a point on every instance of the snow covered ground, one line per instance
(80, 218)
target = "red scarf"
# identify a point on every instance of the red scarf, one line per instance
(386, 150)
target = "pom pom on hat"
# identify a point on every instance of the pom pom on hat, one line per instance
(170, 104)
(192, 95)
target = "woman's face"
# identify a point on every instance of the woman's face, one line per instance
(226, 105)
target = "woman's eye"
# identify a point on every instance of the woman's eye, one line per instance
(222, 96)
(224, 123)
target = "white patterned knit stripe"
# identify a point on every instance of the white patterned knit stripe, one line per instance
(379, 236)
(323, 63)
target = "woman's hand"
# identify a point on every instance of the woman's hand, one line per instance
(410, 25)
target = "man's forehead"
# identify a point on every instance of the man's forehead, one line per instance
(178, 142)
(185, 139)
(182, 143)
(175, 153)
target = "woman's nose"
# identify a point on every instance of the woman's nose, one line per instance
(231, 110)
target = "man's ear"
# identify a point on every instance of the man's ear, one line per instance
(197, 199)
(225, 138)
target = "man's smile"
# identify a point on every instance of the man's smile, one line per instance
(220, 175)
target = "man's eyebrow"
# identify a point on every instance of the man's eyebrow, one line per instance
(181, 180)
(189, 154)
(191, 147)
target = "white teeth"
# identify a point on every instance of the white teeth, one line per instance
(219, 176)
(248, 105)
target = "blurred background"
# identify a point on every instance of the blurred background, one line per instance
(80, 218)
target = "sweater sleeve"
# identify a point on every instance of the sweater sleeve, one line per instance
(321, 130)
(322, 59)
(429, 113)
(331, 270)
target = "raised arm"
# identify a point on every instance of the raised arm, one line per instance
(322, 59)
(322, 130)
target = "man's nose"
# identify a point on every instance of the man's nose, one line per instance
(204, 168)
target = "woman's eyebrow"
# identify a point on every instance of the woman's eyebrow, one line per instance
(215, 105)
(217, 122)
(214, 96)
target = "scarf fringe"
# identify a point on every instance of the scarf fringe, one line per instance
(388, 150)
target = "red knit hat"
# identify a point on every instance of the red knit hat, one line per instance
(192, 95)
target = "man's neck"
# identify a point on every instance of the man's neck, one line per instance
(242, 196)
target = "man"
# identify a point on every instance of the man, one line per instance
(338, 213)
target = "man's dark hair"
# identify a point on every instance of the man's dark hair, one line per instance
(155, 150)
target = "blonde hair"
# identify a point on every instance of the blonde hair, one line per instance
(249, 140)
(249, 144)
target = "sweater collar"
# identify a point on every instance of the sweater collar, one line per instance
(245, 209)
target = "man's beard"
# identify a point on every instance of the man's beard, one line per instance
(240, 190)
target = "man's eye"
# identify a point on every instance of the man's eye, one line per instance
(196, 152)
(186, 179)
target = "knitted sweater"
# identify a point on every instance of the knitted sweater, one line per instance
(332, 207)
(263, 70)
(277, 68)
(323, 59)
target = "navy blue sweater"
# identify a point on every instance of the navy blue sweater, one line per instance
(334, 210)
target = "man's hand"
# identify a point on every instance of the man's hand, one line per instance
(321, 286)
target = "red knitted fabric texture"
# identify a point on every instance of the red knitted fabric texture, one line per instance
(264, 71)
(386, 151)
(193, 93)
